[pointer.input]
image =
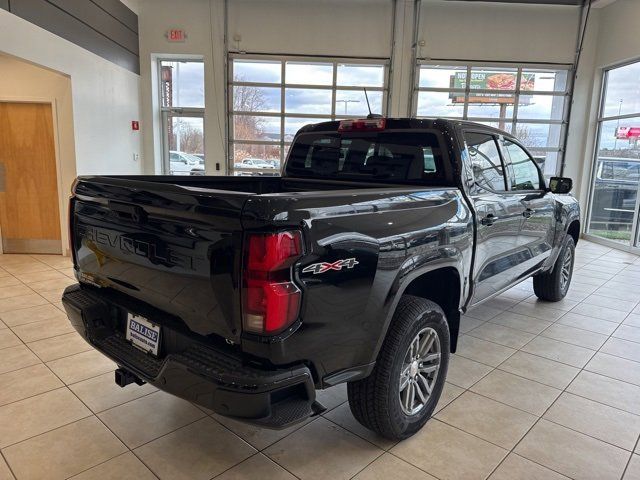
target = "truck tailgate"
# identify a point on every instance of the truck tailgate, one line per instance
(175, 248)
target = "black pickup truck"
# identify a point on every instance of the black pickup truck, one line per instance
(246, 295)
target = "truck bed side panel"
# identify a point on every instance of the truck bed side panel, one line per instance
(393, 235)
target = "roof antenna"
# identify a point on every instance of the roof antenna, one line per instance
(371, 115)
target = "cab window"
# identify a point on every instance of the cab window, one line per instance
(525, 172)
(488, 171)
(379, 156)
(429, 159)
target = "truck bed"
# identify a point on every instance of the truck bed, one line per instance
(176, 244)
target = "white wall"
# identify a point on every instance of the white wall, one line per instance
(203, 22)
(612, 38)
(585, 94)
(354, 28)
(619, 38)
(471, 31)
(360, 28)
(95, 124)
(22, 81)
(498, 31)
(105, 96)
(275, 27)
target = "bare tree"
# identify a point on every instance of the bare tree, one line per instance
(268, 152)
(523, 133)
(248, 99)
(191, 138)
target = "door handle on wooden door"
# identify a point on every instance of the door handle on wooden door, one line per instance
(2, 177)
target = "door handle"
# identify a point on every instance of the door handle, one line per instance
(528, 212)
(489, 220)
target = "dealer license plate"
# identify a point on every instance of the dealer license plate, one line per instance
(143, 334)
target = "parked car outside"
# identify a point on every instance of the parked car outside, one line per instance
(615, 193)
(181, 163)
(255, 163)
(250, 167)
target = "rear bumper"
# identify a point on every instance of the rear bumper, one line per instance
(198, 373)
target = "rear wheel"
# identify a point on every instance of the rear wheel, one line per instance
(399, 396)
(553, 286)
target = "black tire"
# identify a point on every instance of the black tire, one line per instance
(550, 286)
(375, 401)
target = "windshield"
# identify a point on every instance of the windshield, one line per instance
(413, 157)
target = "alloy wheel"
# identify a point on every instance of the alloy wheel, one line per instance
(565, 272)
(419, 371)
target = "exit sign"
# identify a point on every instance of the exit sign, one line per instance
(176, 35)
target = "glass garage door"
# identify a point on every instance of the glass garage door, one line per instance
(528, 101)
(271, 98)
(613, 213)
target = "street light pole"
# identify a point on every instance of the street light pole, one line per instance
(615, 142)
(346, 102)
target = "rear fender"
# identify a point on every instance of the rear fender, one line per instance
(404, 281)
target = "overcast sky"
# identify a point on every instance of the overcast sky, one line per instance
(533, 107)
(188, 85)
(188, 91)
(622, 96)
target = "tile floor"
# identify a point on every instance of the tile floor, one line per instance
(536, 391)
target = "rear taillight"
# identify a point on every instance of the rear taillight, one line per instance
(362, 124)
(270, 299)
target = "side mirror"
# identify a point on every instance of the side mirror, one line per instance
(560, 185)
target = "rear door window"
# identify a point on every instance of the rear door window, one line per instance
(391, 156)
(488, 170)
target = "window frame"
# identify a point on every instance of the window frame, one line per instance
(506, 178)
(167, 112)
(283, 143)
(634, 242)
(515, 119)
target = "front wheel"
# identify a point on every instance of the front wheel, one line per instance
(553, 286)
(399, 396)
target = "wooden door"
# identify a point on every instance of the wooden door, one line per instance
(29, 213)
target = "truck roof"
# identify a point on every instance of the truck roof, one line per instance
(408, 123)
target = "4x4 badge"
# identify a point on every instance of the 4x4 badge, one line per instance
(325, 267)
